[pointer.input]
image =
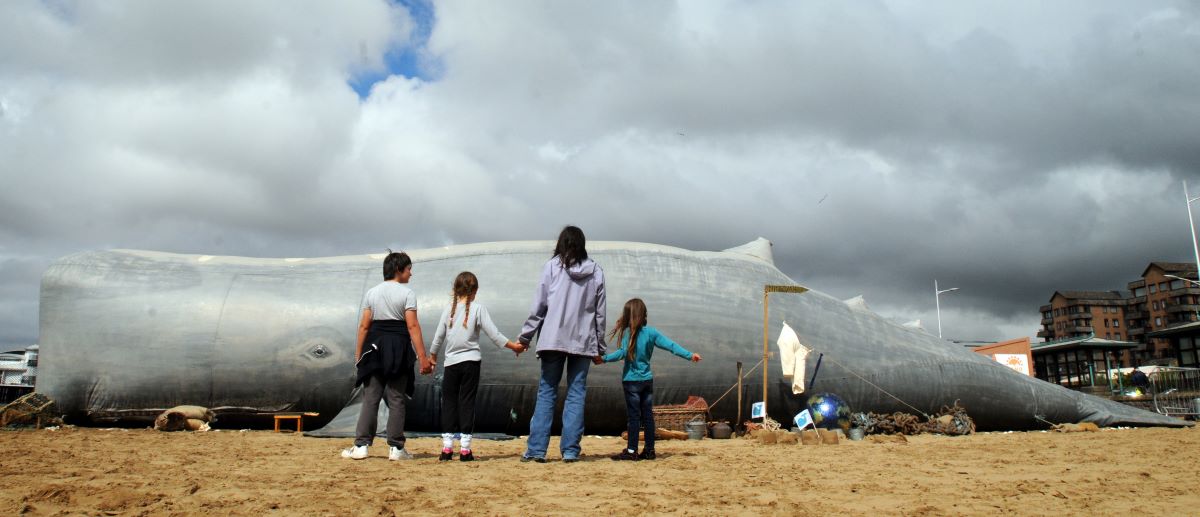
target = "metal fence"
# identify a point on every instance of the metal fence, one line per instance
(1176, 391)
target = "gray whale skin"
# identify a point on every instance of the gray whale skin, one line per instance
(125, 334)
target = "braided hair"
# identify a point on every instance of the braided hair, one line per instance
(465, 284)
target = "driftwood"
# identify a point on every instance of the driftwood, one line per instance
(659, 434)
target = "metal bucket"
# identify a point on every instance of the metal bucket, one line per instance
(696, 430)
(1196, 406)
(856, 434)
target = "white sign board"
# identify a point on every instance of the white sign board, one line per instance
(1018, 362)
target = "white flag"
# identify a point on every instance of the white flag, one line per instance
(803, 419)
(757, 410)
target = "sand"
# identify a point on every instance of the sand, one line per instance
(144, 472)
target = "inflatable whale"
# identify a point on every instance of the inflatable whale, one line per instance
(125, 334)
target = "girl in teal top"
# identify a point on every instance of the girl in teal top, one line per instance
(638, 380)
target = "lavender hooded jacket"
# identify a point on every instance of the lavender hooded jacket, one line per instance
(568, 310)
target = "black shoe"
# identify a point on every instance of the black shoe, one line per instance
(533, 459)
(467, 456)
(647, 455)
(445, 455)
(570, 460)
(625, 455)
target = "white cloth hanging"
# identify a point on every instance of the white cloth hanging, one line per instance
(793, 357)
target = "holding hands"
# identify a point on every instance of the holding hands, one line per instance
(598, 359)
(696, 358)
(427, 364)
(517, 348)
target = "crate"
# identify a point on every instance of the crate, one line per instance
(675, 417)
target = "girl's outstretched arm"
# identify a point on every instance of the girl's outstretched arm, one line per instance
(665, 343)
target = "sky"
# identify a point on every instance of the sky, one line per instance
(1007, 148)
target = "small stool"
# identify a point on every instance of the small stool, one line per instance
(298, 417)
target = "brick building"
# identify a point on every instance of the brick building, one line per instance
(1159, 300)
(1074, 314)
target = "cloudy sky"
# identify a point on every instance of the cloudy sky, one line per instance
(1006, 148)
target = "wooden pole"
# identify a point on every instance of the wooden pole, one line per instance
(766, 351)
(767, 290)
(739, 388)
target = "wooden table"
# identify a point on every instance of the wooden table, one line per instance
(298, 417)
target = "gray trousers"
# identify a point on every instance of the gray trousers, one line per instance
(375, 389)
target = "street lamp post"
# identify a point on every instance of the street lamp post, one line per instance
(936, 294)
(1191, 224)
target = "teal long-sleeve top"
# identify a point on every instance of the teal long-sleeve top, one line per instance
(648, 339)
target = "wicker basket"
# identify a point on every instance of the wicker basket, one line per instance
(675, 417)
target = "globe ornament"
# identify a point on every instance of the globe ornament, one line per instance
(829, 411)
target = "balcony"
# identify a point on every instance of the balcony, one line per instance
(1047, 321)
(1081, 329)
(1048, 334)
(1135, 315)
(1135, 331)
(1182, 307)
(32, 363)
(1080, 316)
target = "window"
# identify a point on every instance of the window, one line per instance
(1152, 290)
(1105, 322)
(1154, 305)
(1162, 286)
(1116, 324)
(1157, 322)
(1176, 284)
(1141, 291)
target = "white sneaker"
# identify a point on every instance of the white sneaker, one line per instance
(397, 454)
(355, 453)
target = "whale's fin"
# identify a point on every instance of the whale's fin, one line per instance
(857, 303)
(758, 248)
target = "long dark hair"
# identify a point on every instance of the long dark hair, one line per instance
(395, 262)
(633, 318)
(571, 248)
(465, 284)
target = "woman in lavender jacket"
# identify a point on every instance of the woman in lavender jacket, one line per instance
(570, 297)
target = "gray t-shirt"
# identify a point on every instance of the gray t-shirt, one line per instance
(461, 336)
(389, 300)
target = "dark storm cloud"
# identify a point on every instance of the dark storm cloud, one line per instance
(1008, 149)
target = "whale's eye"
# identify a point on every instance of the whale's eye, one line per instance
(320, 351)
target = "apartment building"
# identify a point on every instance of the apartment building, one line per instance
(1165, 297)
(1074, 314)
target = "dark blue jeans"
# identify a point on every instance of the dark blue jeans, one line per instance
(639, 404)
(553, 364)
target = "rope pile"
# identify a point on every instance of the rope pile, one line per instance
(951, 420)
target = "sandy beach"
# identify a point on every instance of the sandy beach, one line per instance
(143, 472)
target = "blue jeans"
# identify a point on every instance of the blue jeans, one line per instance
(543, 413)
(639, 404)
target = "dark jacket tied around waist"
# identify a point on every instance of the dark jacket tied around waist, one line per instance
(388, 352)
